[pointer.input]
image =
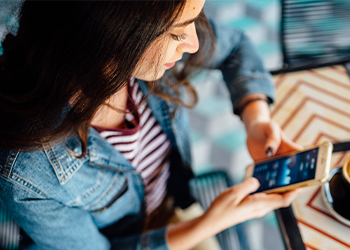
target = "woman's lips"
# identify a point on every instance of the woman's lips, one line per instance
(169, 65)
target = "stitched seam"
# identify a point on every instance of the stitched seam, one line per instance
(115, 198)
(72, 168)
(13, 162)
(112, 168)
(12, 174)
(53, 165)
(63, 177)
(88, 193)
(8, 160)
(108, 190)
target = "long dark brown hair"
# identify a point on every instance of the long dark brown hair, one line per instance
(81, 51)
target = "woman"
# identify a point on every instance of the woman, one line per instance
(94, 138)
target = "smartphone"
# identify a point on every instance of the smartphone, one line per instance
(286, 172)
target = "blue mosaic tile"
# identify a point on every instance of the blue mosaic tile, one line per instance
(195, 136)
(213, 106)
(204, 168)
(244, 23)
(261, 4)
(232, 141)
(219, 3)
(268, 48)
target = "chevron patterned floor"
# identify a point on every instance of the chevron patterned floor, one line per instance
(313, 106)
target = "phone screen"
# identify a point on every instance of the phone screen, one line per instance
(287, 170)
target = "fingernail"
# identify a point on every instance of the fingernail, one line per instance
(269, 152)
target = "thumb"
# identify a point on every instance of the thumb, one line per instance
(245, 188)
(273, 139)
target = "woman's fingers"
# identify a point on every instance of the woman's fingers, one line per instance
(273, 139)
(242, 190)
(264, 203)
(290, 196)
(289, 141)
(224, 211)
(236, 204)
(287, 145)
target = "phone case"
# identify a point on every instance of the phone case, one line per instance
(323, 179)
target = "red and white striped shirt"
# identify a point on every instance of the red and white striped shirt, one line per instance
(144, 144)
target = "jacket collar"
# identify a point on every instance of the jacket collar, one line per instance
(100, 153)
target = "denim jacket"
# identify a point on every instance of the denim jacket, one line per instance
(63, 202)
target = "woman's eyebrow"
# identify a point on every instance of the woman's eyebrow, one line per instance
(186, 22)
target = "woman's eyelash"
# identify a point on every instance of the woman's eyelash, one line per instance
(179, 37)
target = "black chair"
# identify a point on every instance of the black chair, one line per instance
(314, 33)
(9, 230)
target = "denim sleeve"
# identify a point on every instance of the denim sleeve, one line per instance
(53, 225)
(242, 69)
(50, 224)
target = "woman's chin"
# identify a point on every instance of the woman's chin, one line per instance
(150, 77)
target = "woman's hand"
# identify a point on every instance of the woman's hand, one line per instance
(236, 205)
(265, 138)
(231, 207)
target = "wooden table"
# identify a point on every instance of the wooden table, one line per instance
(313, 106)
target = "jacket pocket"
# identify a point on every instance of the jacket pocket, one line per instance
(115, 198)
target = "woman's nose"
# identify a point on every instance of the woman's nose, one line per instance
(191, 43)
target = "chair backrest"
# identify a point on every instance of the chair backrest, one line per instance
(315, 33)
(9, 230)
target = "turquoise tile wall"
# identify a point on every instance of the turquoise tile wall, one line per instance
(260, 20)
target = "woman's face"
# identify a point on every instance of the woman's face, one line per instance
(179, 39)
